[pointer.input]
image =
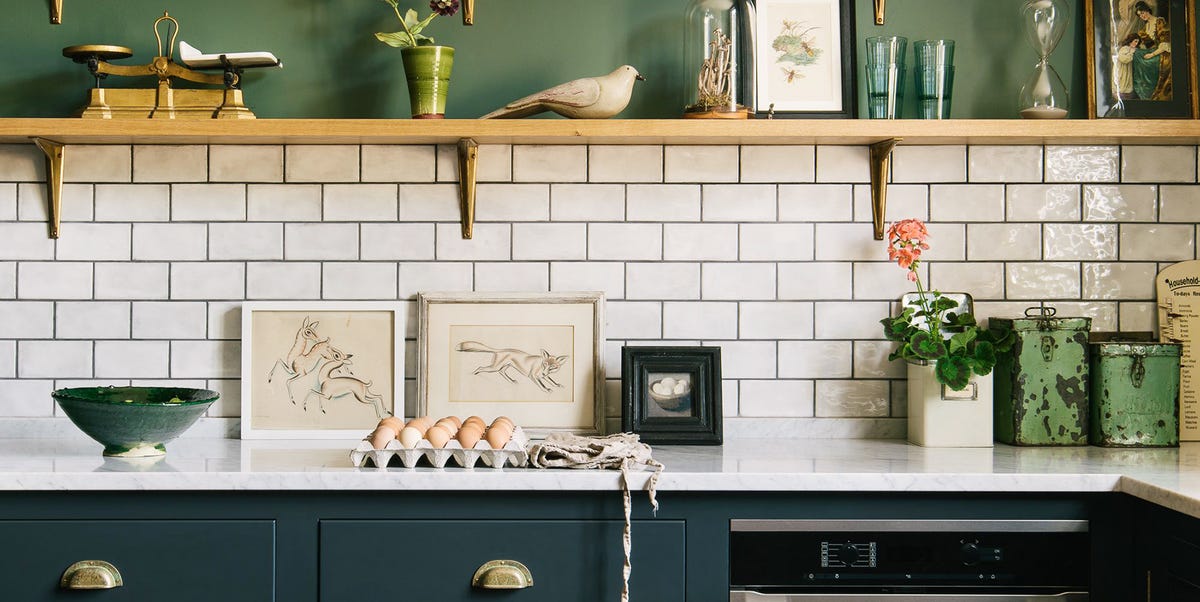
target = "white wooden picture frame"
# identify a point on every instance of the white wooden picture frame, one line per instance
(321, 370)
(536, 358)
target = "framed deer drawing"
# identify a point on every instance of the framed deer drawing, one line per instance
(320, 370)
(536, 358)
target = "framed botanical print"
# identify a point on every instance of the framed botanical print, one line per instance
(320, 370)
(535, 358)
(805, 58)
(1141, 58)
(672, 394)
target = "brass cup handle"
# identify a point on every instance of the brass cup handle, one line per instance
(502, 574)
(91, 574)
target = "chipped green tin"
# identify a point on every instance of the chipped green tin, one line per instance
(1135, 394)
(1041, 385)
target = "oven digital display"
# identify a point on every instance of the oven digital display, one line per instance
(848, 555)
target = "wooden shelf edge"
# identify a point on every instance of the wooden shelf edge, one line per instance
(562, 131)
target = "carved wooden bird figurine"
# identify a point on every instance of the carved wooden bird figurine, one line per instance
(587, 98)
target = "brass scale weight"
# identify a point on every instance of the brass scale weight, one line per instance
(164, 101)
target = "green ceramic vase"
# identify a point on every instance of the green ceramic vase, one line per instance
(427, 69)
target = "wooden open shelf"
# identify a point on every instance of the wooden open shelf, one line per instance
(562, 131)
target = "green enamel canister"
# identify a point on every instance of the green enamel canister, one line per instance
(1135, 394)
(1041, 385)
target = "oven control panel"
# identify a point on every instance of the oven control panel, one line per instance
(848, 555)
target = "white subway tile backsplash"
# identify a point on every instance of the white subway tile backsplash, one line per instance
(8, 202)
(1138, 316)
(779, 163)
(245, 241)
(512, 277)
(536, 163)
(883, 280)
(631, 242)
(54, 359)
(161, 163)
(633, 320)
(26, 320)
(491, 242)
(132, 280)
(849, 319)
(1082, 163)
(662, 281)
(170, 242)
(283, 202)
(224, 319)
(549, 241)
(871, 360)
(1043, 202)
(815, 359)
(587, 202)
(856, 398)
(1103, 313)
(210, 280)
(205, 359)
(243, 163)
(748, 359)
(776, 242)
(395, 163)
(229, 405)
(729, 397)
(8, 279)
(843, 164)
(397, 242)
(1157, 242)
(170, 320)
(58, 280)
(320, 241)
(96, 242)
(625, 164)
(1004, 242)
(815, 280)
(776, 398)
(495, 163)
(21, 163)
(1119, 280)
(700, 164)
(1005, 164)
(1080, 242)
(92, 320)
(983, 280)
(775, 320)
(816, 202)
(360, 203)
(700, 242)
(924, 164)
(77, 203)
(604, 276)
(737, 281)
(904, 201)
(739, 203)
(847, 242)
(8, 359)
(1179, 204)
(429, 203)
(97, 163)
(704, 320)
(290, 280)
(1158, 164)
(1041, 281)
(434, 276)
(208, 202)
(513, 203)
(1123, 203)
(663, 203)
(316, 163)
(966, 203)
(25, 241)
(948, 242)
(26, 398)
(358, 281)
(133, 202)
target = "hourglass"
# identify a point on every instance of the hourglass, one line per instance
(1044, 96)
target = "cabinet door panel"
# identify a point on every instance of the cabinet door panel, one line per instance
(571, 560)
(180, 561)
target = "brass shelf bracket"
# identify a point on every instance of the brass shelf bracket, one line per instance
(56, 12)
(880, 9)
(54, 180)
(468, 8)
(881, 160)
(468, 164)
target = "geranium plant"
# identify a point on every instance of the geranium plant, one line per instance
(413, 25)
(931, 331)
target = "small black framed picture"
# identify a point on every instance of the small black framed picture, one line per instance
(672, 395)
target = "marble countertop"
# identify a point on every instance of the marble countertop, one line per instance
(1168, 477)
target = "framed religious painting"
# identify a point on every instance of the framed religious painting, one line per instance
(672, 395)
(804, 57)
(320, 370)
(1141, 59)
(533, 357)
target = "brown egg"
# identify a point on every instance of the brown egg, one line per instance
(498, 435)
(393, 422)
(437, 436)
(475, 420)
(447, 424)
(505, 420)
(409, 437)
(457, 421)
(469, 435)
(381, 435)
(421, 424)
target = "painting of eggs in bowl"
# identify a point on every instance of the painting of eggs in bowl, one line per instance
(671, 394)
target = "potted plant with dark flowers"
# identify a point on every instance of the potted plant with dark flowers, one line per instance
(427, 66)
(950, 357)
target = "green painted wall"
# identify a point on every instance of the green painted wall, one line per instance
(335, 68)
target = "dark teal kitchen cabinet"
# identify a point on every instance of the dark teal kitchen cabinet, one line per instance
(1169, 555)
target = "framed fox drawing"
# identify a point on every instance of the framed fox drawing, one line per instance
(535, 358)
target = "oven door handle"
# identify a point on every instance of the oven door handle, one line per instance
(746, 596)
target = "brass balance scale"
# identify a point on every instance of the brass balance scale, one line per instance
(163, 101)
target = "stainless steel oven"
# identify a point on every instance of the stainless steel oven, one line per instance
(909, 561)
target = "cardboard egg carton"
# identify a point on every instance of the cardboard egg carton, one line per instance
(512, 454)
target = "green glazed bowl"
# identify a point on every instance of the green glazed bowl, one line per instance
(134, 422)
